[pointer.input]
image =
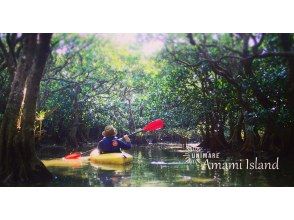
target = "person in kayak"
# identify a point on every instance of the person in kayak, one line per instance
(111, 144)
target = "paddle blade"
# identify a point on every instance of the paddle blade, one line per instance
(154, 125)
(73, 156)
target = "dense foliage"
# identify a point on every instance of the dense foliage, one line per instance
(227, 90)
(234, 89)
(88, 84)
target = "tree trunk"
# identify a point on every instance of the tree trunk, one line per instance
(270, 140)
(236, 139)
(288, 131)
(34, 165)
(12, 111)
(252, 140)
(73, 131)
(287, 44)
(17, 151)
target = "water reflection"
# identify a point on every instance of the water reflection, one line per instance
(111, 174)
(154, 166)
(109, 178)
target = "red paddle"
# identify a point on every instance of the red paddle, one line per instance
(151, 126)
(154, 125)
(73, 155)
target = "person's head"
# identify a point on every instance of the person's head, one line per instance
(109, 131)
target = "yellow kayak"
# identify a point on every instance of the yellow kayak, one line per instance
(62, 162)
(110, 158)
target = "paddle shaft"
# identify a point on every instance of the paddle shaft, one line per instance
(133, 133)
(136, 132)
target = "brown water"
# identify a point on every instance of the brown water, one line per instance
(154, 166)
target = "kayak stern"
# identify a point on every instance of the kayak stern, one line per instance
(110, 158)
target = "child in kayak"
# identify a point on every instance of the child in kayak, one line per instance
(110, 143)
